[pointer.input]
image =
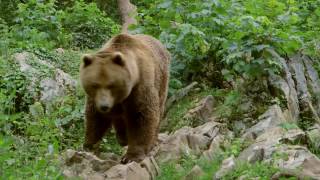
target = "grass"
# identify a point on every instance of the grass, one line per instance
(261, 170)
(179, 169)
(176, 170)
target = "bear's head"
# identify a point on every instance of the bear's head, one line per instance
(106, 78)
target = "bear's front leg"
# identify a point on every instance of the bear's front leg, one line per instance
(142, 127)
(96, 127)
(121, 130)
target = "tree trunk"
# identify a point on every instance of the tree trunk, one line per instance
(127, 13)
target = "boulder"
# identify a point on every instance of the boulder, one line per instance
(201, 113)
(85, 164)
(53, 82)
(131, 171)
(281, 147)
(227, 165)
(191, 140)
(271, 118)
(204, 141)
(285, 86)
(195, 173)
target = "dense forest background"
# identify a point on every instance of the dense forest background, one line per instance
(228, 47)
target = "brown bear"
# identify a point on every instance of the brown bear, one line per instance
(126, 83)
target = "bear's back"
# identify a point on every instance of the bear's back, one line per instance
(159, 51)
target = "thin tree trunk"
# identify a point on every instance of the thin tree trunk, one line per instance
(127, 13)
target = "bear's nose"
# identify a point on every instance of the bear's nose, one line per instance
(104, 107)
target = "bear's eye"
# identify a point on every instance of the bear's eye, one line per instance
(110, 86)
(95, 86)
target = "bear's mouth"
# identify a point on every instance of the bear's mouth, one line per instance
(104, 109)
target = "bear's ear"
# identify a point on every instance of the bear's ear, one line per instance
(87, 59)
(118, 59)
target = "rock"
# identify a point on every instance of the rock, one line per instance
(239, 127)
(21, 58)
(131, 171)
(257, 155)
(305, 101)
(84, 164)
(178, 167)
(53, 82)
(174, 146)
(49, 90)
(151, 166)
(195, 173)
(227, 165)
(201, 113)
(285, 86)
(297, 69)
(190, 140)
(265, 144)
(243, 177)
(214, 148)
(65, 79)
(36, 110)
(204, 140)
(313, 81)
(60, 50)
(271, 118)
(278, 145)
(298, 159)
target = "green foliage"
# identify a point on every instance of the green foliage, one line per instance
(259, 169)
(88, 25)
(177, 170)
(230, 106)
(306, 121)
(14, 96)
(37, 26)
(33, 135)
(68, 60)
(234, 33)
(30, 141)
(287, 126)
(15, 162)
(8, 10)
(41, 25)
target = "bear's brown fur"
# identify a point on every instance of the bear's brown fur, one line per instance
(126, 83)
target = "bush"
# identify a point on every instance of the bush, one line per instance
(235, 34)
(40, 25)
(88, 25)
(37, 26)
(14, 96)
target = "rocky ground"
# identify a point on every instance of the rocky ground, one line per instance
(275, 139)
(267, 140)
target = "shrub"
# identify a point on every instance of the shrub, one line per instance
(37, 26)
(88, 25)
(40, 25)
(14, 96)
(232, 33)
